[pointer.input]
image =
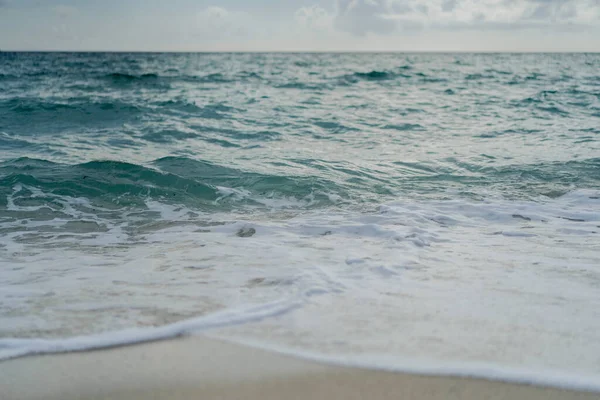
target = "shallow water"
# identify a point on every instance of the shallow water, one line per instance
(428, 211)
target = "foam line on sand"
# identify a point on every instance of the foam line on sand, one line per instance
(201, 368)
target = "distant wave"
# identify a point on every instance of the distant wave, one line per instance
(129, 77)
(18, 114)
(376, 75)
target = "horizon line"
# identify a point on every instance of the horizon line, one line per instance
(309, 51)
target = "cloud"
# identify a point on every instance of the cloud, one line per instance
(217, 23)
(313, 18)
(361, 17)
(323, 25)
(449, 5)
(394, 18)
(384, 17)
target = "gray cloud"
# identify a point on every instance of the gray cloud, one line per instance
(361, 17)
(574, 12)
(557, 11)
(422, 8)
(449, 5)
(553, 10)
(400, 7)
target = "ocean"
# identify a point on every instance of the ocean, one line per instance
(433, 213)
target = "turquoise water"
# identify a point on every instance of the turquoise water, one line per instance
(383, 208)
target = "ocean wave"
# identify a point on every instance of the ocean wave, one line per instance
(152, 79)
(113, 182)
(195, 182)
(19, 114)
(149, 80)
(374, 75)
(8, 77)
(473, 180)
(304, 86)
(198, 184)
(404, 127)
(119, 76)
(10, 142)
(242, 134)
(478, 77)
(259, 183)
(215, 77)
(188, 108)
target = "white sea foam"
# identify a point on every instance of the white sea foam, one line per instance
(497, 289)
(435, 367)
(11, 348)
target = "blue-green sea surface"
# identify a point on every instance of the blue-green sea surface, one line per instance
(417, 212)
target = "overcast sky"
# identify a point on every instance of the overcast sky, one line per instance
(299, 25)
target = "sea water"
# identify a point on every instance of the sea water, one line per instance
(434, 213)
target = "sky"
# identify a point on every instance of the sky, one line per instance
(300, 25)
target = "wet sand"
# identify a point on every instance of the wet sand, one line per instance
(201, 368)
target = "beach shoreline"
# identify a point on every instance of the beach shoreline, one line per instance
(197, 367)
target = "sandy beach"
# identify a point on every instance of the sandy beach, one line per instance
(201, 368)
